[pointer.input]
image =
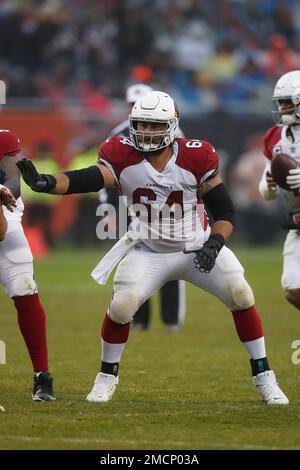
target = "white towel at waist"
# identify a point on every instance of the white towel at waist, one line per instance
(103, 269)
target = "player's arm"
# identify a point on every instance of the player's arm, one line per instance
(267, 186)
(12, 175)
(218, 201)
(3, 224)
(85, 180)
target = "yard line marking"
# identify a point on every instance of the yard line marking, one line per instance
(79, 440)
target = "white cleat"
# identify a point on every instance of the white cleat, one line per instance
(104, 388)
(268, 389)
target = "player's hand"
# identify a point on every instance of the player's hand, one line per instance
(38, 182)
(292, 220)
(7, 199)
(205, 258)
(270, 181)
(293, 178)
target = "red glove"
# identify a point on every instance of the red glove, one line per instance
(9, 143)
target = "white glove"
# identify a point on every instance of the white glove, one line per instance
(293, 178)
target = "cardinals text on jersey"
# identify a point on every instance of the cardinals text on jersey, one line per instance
(175, 188)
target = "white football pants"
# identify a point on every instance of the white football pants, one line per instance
(16, 262)
(291, 261)
(142, 272)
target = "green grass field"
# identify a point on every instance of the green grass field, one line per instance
(186, 390)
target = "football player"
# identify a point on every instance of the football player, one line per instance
(154, 169)
(17, 277)
(284, 137)
(172, 294)
(7, 200)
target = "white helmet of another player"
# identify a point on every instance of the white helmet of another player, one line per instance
(134, 92)
(157, 116)
(286, 90)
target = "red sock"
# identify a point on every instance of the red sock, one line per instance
(113, 332)
(248, 324)
(32, 323)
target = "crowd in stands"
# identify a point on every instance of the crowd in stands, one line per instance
(211, 55)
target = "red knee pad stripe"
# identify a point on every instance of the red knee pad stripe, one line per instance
(248, 324)
(113, 332)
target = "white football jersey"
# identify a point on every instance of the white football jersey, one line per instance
(170, 215)
(277, 141)
(17, 214)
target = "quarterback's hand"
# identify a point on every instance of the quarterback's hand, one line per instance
(7, 199)
(293, 178)
(292, 220)
(206, 257)
(38, 182)
(270, 181)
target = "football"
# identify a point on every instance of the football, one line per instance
(280, 166)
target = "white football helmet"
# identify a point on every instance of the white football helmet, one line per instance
(287, 88)
(134, 92)
(154, 107)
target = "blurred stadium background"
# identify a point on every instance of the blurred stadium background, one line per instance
(66, 65)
